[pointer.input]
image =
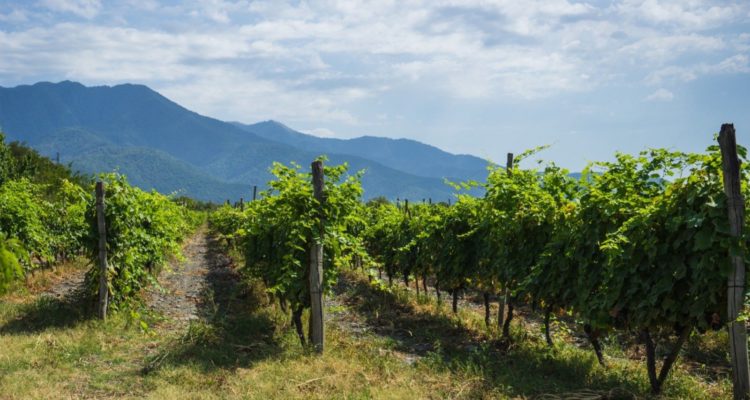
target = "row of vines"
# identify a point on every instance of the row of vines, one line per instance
(639, 245)
(48, 215)
(275, 233)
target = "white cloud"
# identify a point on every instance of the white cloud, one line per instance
(233, 95)
(736, 64)
(15, 15)
(660, 95)
(695, 14)
(660, 49)
(320, 132)
(319, 60)
(217, 11)
(149, 5)
(83, 8)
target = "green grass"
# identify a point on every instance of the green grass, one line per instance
(245, 348)
(527, 368)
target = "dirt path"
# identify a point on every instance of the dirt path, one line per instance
(66, 284)
(205, 275)
(184, 283)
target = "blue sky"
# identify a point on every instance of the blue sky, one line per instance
(475, 76)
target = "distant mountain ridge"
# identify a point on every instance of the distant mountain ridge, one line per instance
(403, 154)
(164, 146)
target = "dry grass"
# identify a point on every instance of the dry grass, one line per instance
(408, 348)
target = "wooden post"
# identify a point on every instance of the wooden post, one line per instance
(506, 294)
(316, 265)
(255, 192)
(57, 158)
(509, 164)
(242, 204)
(103, 268)
(736, 282)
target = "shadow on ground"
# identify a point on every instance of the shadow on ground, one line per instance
(525, 368)
(234, 330)
(50, 312)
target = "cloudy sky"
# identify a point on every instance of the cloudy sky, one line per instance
(475, 76)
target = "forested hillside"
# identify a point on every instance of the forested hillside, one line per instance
(402, 154)
(161, 145)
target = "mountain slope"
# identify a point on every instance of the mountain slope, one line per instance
(153, 169)
(249, 164)
(402, 154)
(146, 168)
(125, 115)
(163, 145)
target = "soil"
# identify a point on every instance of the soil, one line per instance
(181, 297)
(65, 285)
(187, 285)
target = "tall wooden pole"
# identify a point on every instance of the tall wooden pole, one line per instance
(242, 204)
(103, 268)
(316, 264)
(736, 282)
(504, 298)
(509, 164)
(255, 192)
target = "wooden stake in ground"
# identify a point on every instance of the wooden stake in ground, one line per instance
(504, 298)
(736, 282)
(103, 268)
(255, 192)
(316, 264)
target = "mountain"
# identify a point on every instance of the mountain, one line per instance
(250, 164)
(124, 115)
(145, 167)
(402, 154)
(160, 144)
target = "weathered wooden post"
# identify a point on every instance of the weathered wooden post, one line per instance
(316, 263)
(255, 192)
(504, 298)
(103, 267)
(736, 281)
(242, 204)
